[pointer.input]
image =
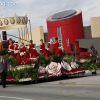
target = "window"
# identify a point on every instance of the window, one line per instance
(59, 35)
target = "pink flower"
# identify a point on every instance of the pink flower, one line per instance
(41, 70)
(74, 65)
(66, 66)
(54, 69)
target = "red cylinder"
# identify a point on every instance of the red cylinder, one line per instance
(71, 30)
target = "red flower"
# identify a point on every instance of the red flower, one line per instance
(85, 55)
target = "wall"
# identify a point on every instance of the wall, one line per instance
(86, 43)
(87, 32)
(37, 34)
(95, 26)
(46, 37)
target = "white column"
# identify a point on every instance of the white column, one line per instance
(26, 33)
(0, 38)
(30, 30)
(22, 35)
(19, 39)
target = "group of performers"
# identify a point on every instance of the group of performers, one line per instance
(23, 52)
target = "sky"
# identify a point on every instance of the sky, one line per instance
(39, 10)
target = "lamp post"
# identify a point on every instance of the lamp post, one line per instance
(30, 29)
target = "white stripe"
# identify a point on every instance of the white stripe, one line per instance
(14, 98)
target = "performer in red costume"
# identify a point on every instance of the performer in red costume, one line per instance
(23, 54)
(43, 50)
(11, 47)
(16, 53)
(56, 49)
(32, 50)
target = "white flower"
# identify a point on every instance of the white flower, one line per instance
(22, 53)
(16, 51)
(47, 48)
(10, 50)
(54, 69)
(34, 48)
(41, 70)
(66, 66)
(74, 65)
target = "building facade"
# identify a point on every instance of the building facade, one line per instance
(67, 26)
(95, 27)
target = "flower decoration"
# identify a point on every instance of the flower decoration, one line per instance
(74, 65)
(10, 50)
(65, 66)
(54, 69)
(85, 55)
(16, 51)
(41, 70)
(22, 53)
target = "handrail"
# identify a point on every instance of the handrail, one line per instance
(17, 37)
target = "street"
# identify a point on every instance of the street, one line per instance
(82, 88)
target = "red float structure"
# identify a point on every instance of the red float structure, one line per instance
(68, 27)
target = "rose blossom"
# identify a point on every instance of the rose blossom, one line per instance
(66, 66)
(74, 65)
(54, 69)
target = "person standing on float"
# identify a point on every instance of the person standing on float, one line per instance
(22, 51)
(56, 45)
(43, 50)
(32, 51)
(16, 53)
(11, 47)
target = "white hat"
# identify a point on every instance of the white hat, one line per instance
(15, 43)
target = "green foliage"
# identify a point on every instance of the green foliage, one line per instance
(43, 61)
(55, 58)
(4, 52)
(98, 64)
(25, 73)
(89, 65)
(46, 75)
(11, 60)
(68, 58)
(9, 73)
(93, 66)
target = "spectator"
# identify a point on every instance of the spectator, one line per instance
(4, 66)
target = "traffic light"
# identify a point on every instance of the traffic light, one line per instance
(4, 35)
(72, 47)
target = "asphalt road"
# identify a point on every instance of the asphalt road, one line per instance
(83, 88)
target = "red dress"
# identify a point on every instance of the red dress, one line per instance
(11, 49)
(32, 51)
(43, 50)
(17, 55)
(23, 52)
(56, 49)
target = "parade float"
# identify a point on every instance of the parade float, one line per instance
(41, 67)
(47, 68)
